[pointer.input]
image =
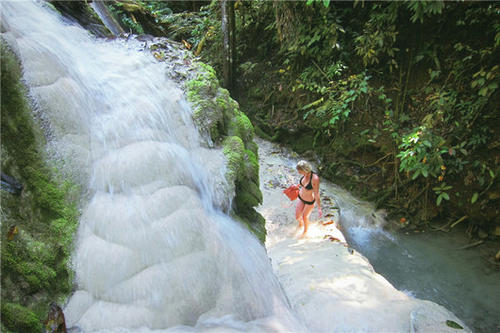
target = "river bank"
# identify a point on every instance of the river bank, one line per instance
(331, 286)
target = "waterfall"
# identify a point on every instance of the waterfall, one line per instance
(153, 250)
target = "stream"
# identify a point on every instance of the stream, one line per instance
(432, 266)
(424, 265)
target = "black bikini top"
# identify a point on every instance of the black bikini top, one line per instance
(308, 186)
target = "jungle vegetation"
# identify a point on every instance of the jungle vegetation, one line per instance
(398, 101)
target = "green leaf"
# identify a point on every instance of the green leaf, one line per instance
(425, 173)
(316, 102)
(453, 324)
(439, 199)
(474, 197)
(445, 196)
(483, 91)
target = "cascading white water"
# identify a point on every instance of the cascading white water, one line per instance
(152, 252)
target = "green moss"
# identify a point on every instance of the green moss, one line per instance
(254, 222)
(218, 115)
(249, 198)
(241, 126)
(209, 70)
(205, 83)
(208, 107)
(64, 232)
(19, 318)
(252, 146)
(233, 149)
(34, 263)
(222, 103)
(197, 87)
(30, 261)
(228, 105)
(252, 166)
(244, 168)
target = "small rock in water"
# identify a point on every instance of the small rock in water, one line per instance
(452, 324)
(55, 322)
(145, 38)
(331, 238)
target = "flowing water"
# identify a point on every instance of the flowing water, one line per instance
(154, 251)
(433, 266)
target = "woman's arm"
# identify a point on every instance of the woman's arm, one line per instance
(315, 183)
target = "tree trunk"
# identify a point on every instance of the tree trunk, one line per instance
(227, 8)
(232, 44)
(106, 17)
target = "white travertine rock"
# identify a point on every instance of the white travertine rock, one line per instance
(332, 287)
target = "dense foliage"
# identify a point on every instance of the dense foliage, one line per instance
(398, 99)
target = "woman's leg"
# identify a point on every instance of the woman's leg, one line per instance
(299, 209)
(305, 216)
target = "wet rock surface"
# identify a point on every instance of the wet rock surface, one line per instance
(331, 286)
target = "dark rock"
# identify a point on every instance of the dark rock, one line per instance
(11, 185)
(55, 322)
(78, 11)
(145, 38)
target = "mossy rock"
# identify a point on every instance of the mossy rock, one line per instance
(254, 222)
(84, 14)
(234, 149)
(215, 112)
(35, 269)
(243, 165)
(251, 166)
(204, 84)
(218, 116)
(251, 197)
(19, 318)
(244, 169)
(202, 91)
(241, 126)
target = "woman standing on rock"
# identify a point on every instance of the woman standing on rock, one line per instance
(308, 195)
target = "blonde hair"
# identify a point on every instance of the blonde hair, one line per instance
(304, 166)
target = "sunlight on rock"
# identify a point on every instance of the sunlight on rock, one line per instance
(331, 286)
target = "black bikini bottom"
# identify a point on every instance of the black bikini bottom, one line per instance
(307, 202)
